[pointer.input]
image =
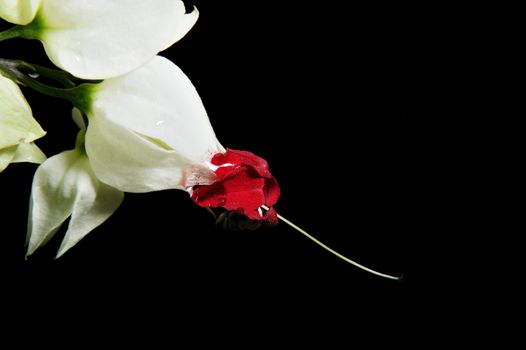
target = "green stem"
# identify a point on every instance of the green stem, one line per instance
(78, 95)
(14, 32)
(330, 250)
(59, 76)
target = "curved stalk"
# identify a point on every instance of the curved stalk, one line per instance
(59, 76)
(11, 33)
(332, 251)
(78, 95)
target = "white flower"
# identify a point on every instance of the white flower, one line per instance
(64, 186)
(19, 11)
(18, 128)
(98, 39)
(148, 130)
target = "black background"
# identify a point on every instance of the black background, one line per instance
(325, 94)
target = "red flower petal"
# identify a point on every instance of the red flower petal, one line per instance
(241, 158)
(272, 191)
(244, 184)
(245, 194)
(210, 196)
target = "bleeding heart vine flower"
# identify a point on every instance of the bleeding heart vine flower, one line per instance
(19, 11)
(148, 130)
(98, 39)
(64, 186)
(18, 128)
(156, 127)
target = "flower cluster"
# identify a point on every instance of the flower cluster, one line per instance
(142, 124)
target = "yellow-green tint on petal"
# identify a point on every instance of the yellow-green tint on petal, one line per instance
(6, 156)
(24, 152)
(19, 11)
(17, 124)
(160, 143)
(30, 153)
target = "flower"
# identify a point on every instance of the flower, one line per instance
(18, 128)
(98, 39)
(19, 11)
(244, 184)
(148, 130)
(64, 186)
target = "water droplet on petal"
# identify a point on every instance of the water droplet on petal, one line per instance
(160, 122)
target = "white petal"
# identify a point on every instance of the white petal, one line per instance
(77, 117)
(95, 202)
(65, 185)
(98, 39)
(6, 156)
(29, 152)
(16, 120)
(19, 11)
(52, 198)
(131, 162)
(158, 100)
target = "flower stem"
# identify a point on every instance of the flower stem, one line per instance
(11, 33)
(330, 250)
(59, 76)
(16, 71)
